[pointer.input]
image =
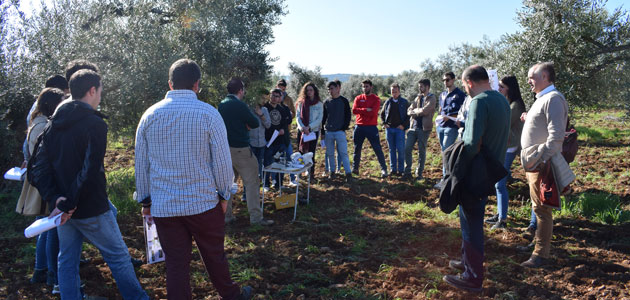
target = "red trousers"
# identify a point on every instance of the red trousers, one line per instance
(208, 230)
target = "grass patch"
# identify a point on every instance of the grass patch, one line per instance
(599, 207)
(121, 184)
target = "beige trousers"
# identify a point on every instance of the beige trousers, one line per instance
(245, 165)
(544, 229)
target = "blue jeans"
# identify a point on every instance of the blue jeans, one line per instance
(396, 142)
(289, 152)
(259, 152)
(337, 139)
(471, 222)
(361, 132)
(421, 137)
(269, 153)
(52, 252)
(447, 136)
(103, 233)
(41, 262)
(503, 196)
(533, 221)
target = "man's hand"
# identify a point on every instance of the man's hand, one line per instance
(258, 111)
(385, 126)
(523, 116)
(146, 212)
(247, 127)
(24, 164)
(458, 123)
(306, 130)
(281, 132)
(224, 204)
(64, 216)
(401, 127)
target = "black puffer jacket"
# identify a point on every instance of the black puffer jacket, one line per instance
(70, 161)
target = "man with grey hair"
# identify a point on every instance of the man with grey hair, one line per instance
(545, 125)
(488, 120)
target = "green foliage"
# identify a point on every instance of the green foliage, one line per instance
(121, 184)
(600, 207)
(300, 76)
(135, 42)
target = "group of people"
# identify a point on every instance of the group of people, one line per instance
(188, 155)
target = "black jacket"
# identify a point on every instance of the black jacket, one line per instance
(70, 161)
(468, 182)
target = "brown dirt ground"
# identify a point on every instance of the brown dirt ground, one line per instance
(350, 244)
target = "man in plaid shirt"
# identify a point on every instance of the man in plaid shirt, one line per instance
(183, 173)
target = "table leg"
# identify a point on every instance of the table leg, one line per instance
(297, 195)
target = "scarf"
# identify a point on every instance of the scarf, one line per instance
(305, 113)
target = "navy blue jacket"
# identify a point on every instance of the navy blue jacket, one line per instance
(403, 104)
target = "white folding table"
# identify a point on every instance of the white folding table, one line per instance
(278, 168)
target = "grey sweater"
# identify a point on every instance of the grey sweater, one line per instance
(546, 123)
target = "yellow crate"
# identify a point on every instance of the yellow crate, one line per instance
(285, 201)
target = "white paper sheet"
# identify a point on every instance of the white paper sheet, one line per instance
(273, 137)
(42, 225)
(309, 137)
(14, 174)
(155, 253)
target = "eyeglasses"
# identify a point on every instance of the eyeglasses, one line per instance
(446, 79)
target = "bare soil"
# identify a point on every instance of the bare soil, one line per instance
(353, 242)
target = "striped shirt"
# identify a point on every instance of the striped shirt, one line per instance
(182, 156)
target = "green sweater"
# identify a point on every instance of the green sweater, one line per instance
(488, 123)
(237, 116)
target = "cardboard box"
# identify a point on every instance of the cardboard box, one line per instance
(285, 201)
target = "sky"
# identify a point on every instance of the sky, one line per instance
(382, 37)
(386, 37)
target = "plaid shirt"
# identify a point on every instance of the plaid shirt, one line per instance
(182, 156)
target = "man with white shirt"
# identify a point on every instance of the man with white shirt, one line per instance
(183, 176)
(545, 124)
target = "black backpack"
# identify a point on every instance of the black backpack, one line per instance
(33, 162)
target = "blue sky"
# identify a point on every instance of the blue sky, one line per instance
(382, 37)
(386, 37)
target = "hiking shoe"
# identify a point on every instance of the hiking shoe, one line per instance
(462, 283)
(529, 232)
(492, 220)
(383, 174)
(264, 222)
(499, 225)
(355, 171)
(438, 185)
(246, 293)
(348, 177)
(528, 248)
(534, 262)
(39, 276)
(136, 262)
(55, 290)
(406, 176)
(456, 265)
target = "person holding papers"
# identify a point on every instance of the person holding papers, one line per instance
(310, 112)
(450, 102)
(70, 173)
(277, 134)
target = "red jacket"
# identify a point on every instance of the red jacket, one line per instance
(360, 106)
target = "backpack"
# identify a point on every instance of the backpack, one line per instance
(33, 161)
